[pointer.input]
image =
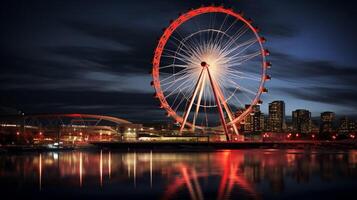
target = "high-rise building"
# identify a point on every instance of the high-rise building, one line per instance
(326, 125)
(256, 118)
(301, 121)
(276, 118)
(237, 114)
(352, 126)
(253, 121)
(344, 126)
(262, 122)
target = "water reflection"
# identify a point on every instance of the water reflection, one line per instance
(248, 174)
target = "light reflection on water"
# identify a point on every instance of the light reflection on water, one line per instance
(244, 174)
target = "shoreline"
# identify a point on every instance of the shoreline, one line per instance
(228, 145)
(190, 146)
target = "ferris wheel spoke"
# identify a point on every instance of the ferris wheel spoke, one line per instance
(240, 102)
(185, 60)
(242, 59)
(177, 88)
(220, 29)
(245, 46)
(241, 73)
(178, 105)
(243, 76)
(235, 37)
(179, 50)
(172, 66)
(226, 31)
(242, 88)
(174, 81)
(191, 46)
(176, 97)
(173, 75)
(177, 54)
(189, 49)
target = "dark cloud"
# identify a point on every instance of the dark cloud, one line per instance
(328, 95)
(288, 67)
(80, 56)
(133, 106)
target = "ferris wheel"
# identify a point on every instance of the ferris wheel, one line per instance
(209, 69)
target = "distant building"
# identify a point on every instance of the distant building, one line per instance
(343, 127)
(346, 126)
(352, 126)
(301, 121)
(326, 125)
(276, 118)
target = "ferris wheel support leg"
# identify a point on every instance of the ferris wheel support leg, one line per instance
(229, 113)
(201, 87)
(191, 102)
(219, 106)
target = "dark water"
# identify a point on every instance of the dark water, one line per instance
(241, 174)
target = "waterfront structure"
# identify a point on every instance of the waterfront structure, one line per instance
(301, 121)
(276, 118)
(68, 128)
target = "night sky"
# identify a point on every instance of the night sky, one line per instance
(95, 56)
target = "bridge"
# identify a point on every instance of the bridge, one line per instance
(68, 126)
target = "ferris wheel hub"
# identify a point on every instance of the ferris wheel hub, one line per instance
(204, 64)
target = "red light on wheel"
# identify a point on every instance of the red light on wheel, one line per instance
(266, 52)
(262, 39)
(267, 64)
(267, 77)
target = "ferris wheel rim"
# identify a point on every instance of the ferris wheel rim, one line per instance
(166, 36)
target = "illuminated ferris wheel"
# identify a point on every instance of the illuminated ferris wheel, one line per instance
(209, 69)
